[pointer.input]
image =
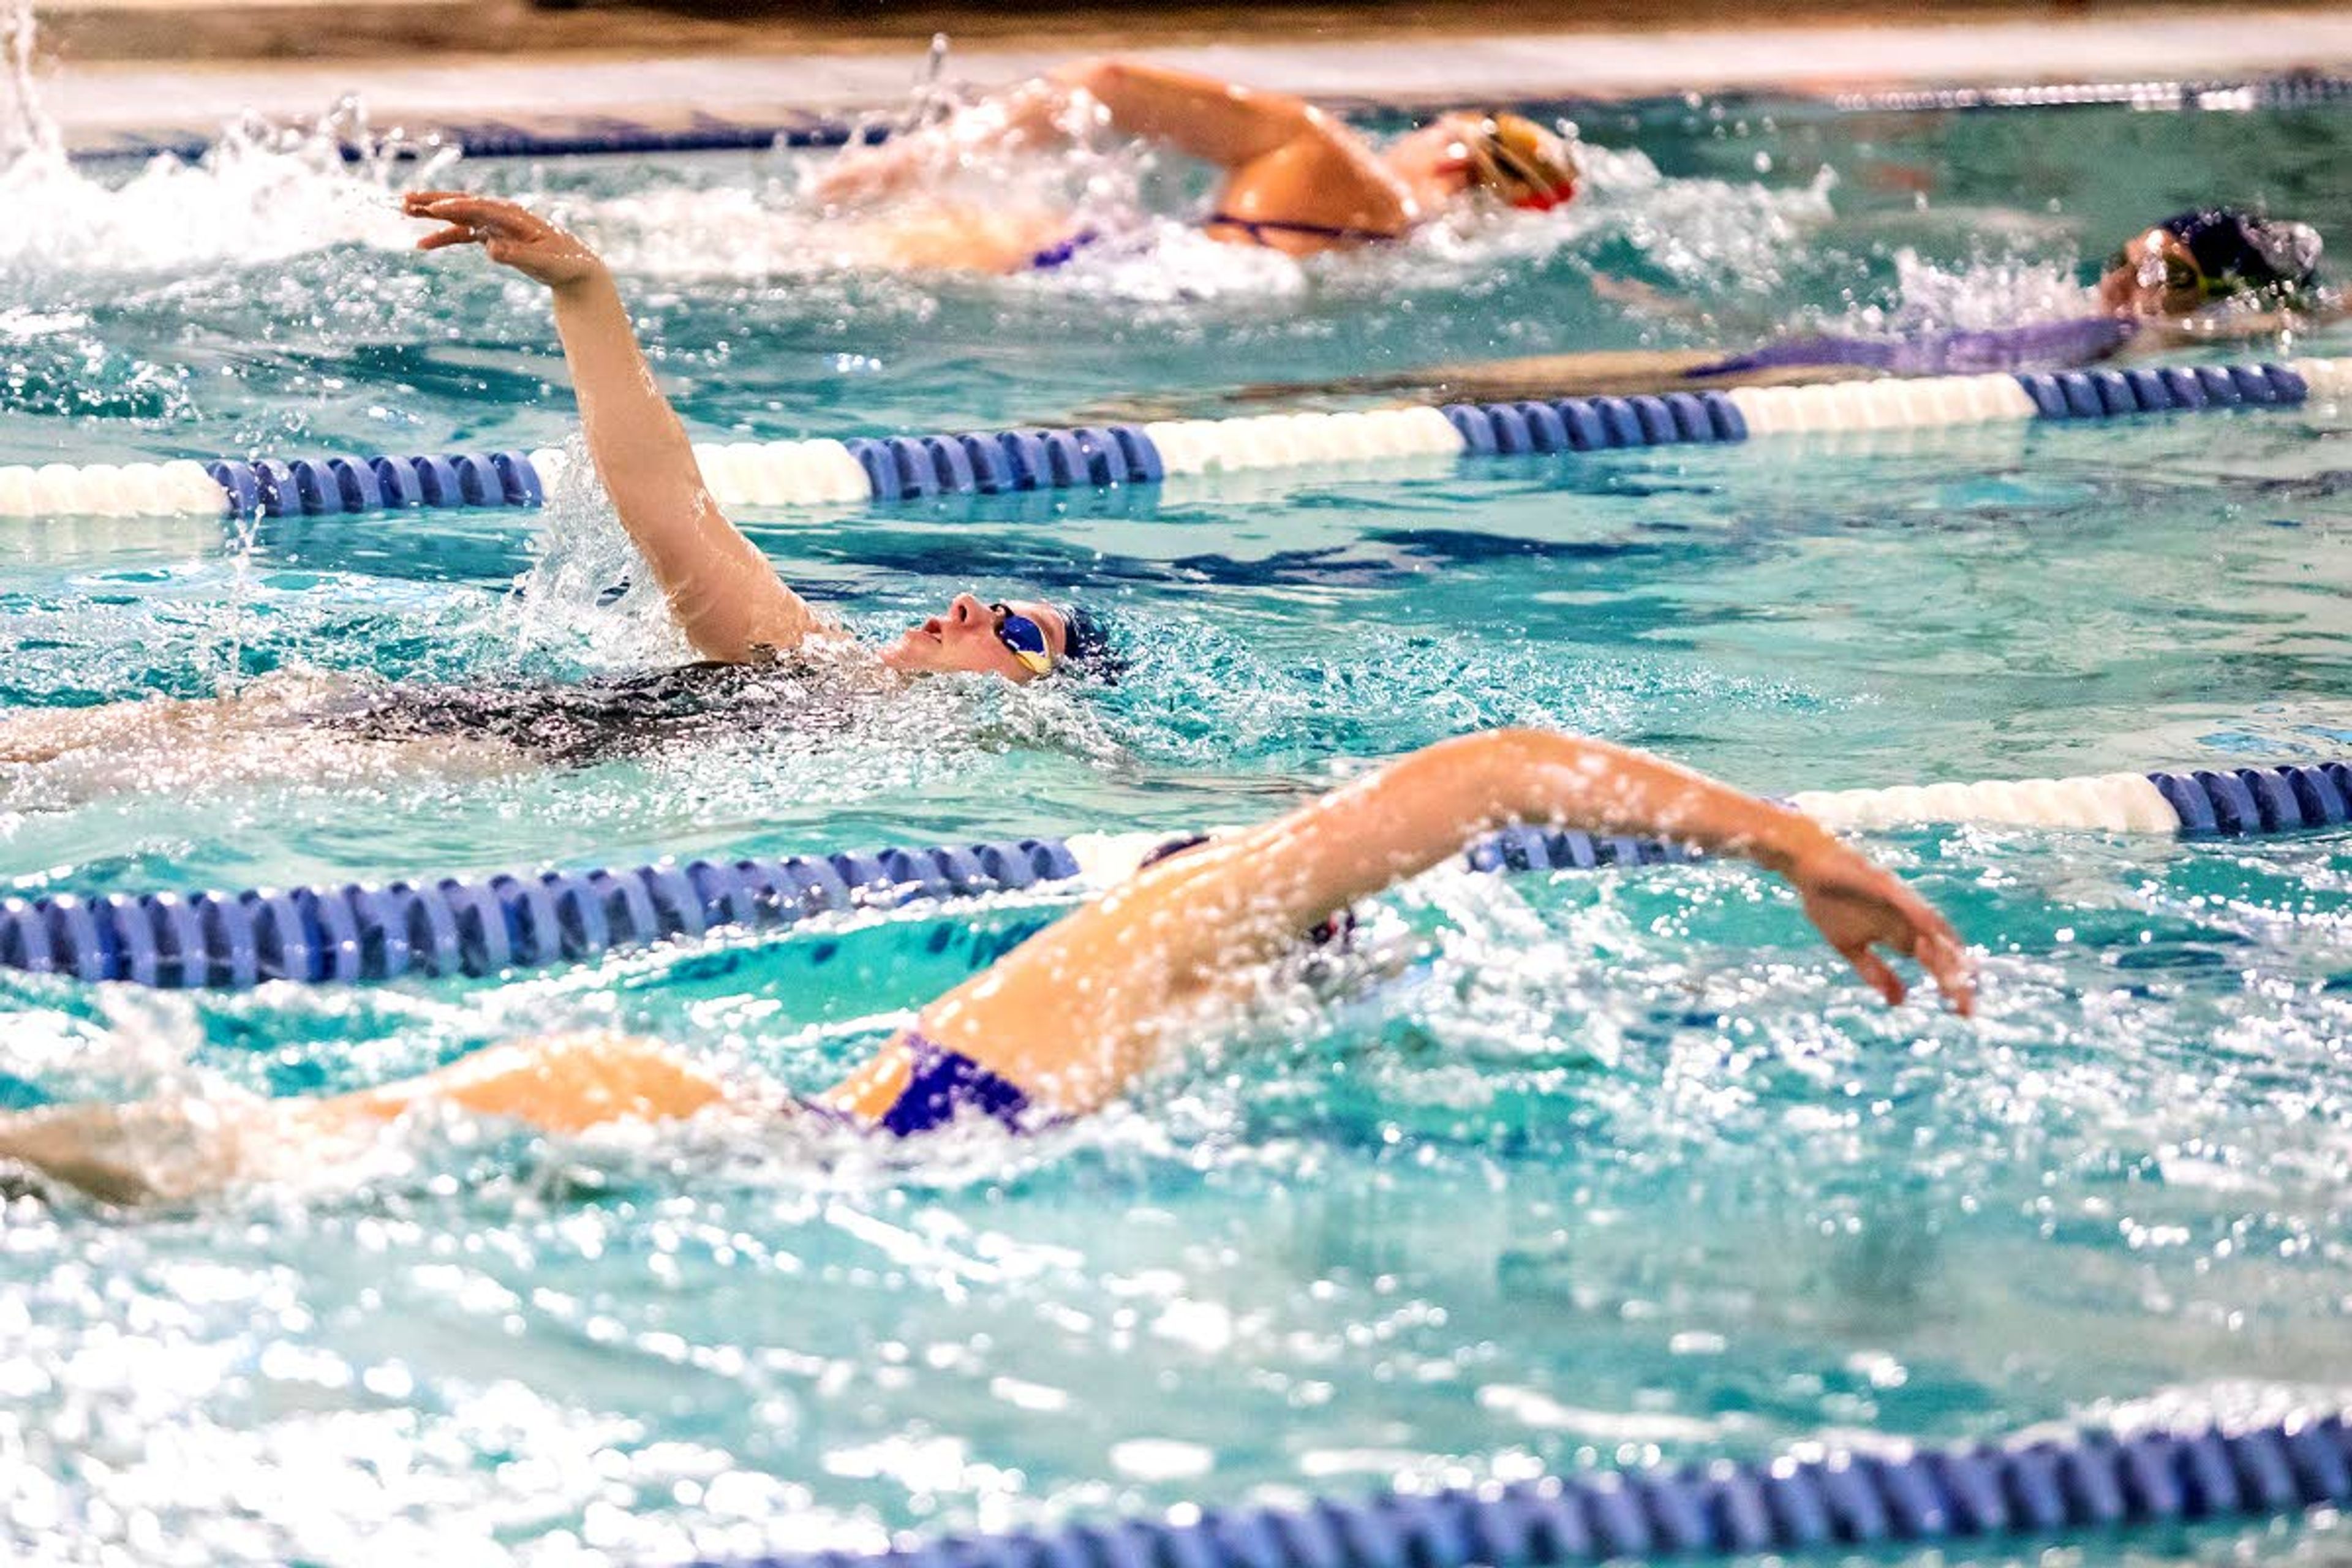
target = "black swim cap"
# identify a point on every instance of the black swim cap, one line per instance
(1086, 646)
(1176, 846)
(2242, 254)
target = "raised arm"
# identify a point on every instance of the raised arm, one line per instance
(1221, 122)
(1077, 1011)
(729, 600)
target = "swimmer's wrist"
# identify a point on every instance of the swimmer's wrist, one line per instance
(1796, 843)
(592, 278)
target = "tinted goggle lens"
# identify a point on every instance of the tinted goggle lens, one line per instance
(1505, 159)
(1025, 638)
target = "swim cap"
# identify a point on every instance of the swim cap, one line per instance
(2242, 254)
(1086, 646)
(1522, 162)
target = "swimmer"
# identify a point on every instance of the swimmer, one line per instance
(1297, 179)
(2203, 276)
(1060, 1026)
(765, 652)
(2207, 275)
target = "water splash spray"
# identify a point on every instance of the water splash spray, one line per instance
(29, 128)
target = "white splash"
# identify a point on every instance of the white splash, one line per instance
(1984, 293)
(260, 193)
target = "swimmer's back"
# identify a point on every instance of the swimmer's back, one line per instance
(603, 717)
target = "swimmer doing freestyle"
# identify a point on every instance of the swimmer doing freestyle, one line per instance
(1295, 178)
(766, 653)
(1062, 1023)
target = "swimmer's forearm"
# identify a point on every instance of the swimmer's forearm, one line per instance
(722, 590)
(1573, 780)
(1421, 810)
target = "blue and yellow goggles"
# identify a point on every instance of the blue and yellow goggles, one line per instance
(1023, 638)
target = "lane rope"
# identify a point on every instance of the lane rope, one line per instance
(1820, 1497)
(892, 469)
(357, 934)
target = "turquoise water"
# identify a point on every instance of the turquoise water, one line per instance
(1627, 1169)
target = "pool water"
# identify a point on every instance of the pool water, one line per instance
(1626, 1167)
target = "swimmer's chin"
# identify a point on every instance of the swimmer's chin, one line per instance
(913, 654)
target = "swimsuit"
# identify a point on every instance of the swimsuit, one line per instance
(941, 1085)
(1257, 228)
(2050, 345)
(591, 721)
(1060, 252)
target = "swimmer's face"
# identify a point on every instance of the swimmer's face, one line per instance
(2153, 275)
(1518, 162)
(1439, 153)
(964, 638)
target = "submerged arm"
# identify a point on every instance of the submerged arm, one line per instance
(1074, 1013)
(725, 597)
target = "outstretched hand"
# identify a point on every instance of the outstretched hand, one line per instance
(510, 235)
(1860, 907)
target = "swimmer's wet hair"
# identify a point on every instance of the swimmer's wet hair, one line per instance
(1086, 647)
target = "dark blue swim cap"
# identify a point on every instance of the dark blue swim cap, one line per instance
(1087, 644)
(2239, 253)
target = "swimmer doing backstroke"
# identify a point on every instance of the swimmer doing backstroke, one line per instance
(1061, 1025)
(767, 654)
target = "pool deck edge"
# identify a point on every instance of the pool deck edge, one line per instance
(114, 105)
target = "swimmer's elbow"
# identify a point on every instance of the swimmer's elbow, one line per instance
(1089, 76)
(1493, 778)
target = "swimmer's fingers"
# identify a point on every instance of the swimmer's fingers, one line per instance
(456, 234)
(1876, 972)
(486, 213)
(1942, 956)
(1860, 907)
(1937, 949)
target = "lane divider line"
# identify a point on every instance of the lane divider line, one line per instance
(510, 921)
(890, 468)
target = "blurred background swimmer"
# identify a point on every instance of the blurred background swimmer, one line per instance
(2205, 274)
(1297, 179)
(1063, 1024)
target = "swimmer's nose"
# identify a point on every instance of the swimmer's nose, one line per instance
(966, 608)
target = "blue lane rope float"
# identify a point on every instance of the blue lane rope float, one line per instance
(889, 468)
(2084, 1480)
(528, 919)
(355, 933)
